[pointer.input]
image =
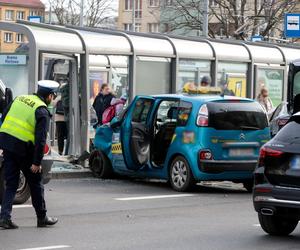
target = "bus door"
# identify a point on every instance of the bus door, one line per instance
(64, 70)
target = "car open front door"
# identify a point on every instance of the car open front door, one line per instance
(135, 133)
(293, 82)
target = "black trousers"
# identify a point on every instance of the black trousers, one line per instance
(62, 134)
(13, 164)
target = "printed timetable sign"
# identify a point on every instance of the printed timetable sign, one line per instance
(12, 59)
(292, 25)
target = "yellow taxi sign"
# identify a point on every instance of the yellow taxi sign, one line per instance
(191, 89)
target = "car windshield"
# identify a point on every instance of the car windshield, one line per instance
(236, 115)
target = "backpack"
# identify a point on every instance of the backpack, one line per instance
(108, 114)
(59, 108)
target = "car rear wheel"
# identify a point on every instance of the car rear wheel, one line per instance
(278, 226)
(23, 191)
(180, 175)
(100, 165)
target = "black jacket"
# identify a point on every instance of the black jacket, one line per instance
(101, 103)
(23, 149)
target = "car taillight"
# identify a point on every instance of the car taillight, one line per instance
(268, 152)
(282, 122)
(202, 119)
(47, 149)
(205, 155)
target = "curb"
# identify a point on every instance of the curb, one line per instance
(71, 174)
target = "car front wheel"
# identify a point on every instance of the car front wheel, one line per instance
(180, 175)
(100, 165)
(278, 226)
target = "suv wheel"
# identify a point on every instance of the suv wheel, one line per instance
(180, 175)
(278, 226)
(100, 165)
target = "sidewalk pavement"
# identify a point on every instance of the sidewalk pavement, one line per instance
(62, 168)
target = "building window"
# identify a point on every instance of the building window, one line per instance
(8, 37)
(20, 15)
(33, 13)
(128, 26)
(138, 9)
(153, 3)
(138, 27)
(20, 38)
(212, 3)
(153, 27)
(168, 2)
(138, 14)
(128, 4)
(9, 15)
(166, 28)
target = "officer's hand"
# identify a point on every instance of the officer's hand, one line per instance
(36, 169)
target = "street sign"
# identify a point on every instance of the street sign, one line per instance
(256, 38)
(35, 19)
(292, 25)
(12, 59)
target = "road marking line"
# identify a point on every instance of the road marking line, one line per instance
(153, 197)
(46, 248)
(256, 225)
(21, 206)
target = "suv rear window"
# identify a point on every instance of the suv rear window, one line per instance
(236, 116)
(290, 132)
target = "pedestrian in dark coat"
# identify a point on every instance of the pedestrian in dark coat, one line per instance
(102, 102)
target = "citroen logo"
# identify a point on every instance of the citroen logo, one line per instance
(242, 136)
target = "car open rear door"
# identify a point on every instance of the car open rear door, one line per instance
(293, 82)
(135, 133)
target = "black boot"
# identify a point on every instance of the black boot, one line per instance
(8, 224)
(47, 221)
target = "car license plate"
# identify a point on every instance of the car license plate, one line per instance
(241, 152)
(295, 162)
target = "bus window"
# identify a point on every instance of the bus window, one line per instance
(192, 71)
(233, 77)
(272, 80)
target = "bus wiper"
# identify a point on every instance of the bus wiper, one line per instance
(250, 127)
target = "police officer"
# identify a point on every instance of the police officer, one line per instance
(23, 136)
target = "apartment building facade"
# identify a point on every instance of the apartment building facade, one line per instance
(13, 10)
(145, 15)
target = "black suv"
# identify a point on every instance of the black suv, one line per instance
(276, 194)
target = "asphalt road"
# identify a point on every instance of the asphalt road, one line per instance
(126, 214)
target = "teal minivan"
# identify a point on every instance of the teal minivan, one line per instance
(183, 139)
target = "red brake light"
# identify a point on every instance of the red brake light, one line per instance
(264, 152)
(46, 149)
(202, 119)
(206, 155)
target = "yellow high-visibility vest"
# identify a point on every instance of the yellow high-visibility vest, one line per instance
(20, 119)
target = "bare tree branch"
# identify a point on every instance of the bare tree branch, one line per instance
(95, 11)
(235, 18)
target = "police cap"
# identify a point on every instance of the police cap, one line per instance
(47, 87)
